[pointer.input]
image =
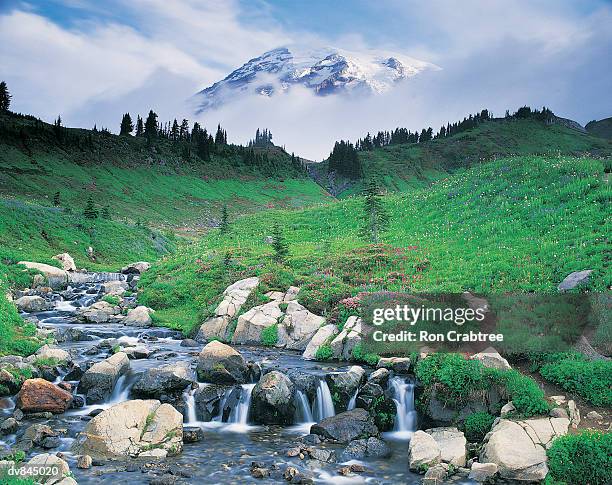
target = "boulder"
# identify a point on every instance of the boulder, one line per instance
(423, 451)
(53, 353)
(595, 416)
(252, 323)
(84, 462)
(99, 312)
(491, 358)
(272, 400)
(169, 379)
(116, 288)
(575, 279)
(344, 385)
(51, 462)
(399, 365)
(347, 426)
(139, 317)
(366, 448)
(436, 474)
(189, 342)
(132, 429)
(574, 413)
(208, 400)
(33, 304)
(221, 364)
(351, 335)
(481, 472)
(56, 277)
(324, 334)
(35, 435)
(518, 448)
(39, 396)
(305, 382)
(452, 444)
(66, 260)
(298, 327)
(380, 376)
(234, 297)
(9, 426)
(507, 408)
(137, 352)
(136, 268)
(99, 380)
(291, 294)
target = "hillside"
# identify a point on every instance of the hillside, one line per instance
(160, 182)
(601, 128)
(519, 223)
(405, 166)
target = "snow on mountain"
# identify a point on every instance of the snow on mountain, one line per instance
(324, 71)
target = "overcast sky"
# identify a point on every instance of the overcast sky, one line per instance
(91, 61)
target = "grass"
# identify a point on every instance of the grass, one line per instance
(515, 224)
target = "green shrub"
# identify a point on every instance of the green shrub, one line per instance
(526, 395)
(582, 459)
(477, 425)
(324, 352)
(47, 362)
(360, 356)
(590, 379)
(112, 299)
(269, 335)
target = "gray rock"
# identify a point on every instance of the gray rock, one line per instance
(9, 426)
(189, 342)
(423, 451)
(168, 379)
(272, 400)
(221, 364)
(192, 434)
(139, 317)
(481, 472)
(324, 333)
(33, 304)
(347, 426)
(99, 380)
(208, 400)
(380, 376)
(327, 456)
(575, 279)
(298, 327)
(252, 323)
(399, 365)
(345, 384)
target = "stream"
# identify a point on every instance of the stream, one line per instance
(231, 442)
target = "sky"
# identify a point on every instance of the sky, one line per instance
(90, 61)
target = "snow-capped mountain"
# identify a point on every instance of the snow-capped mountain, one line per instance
(324, 71)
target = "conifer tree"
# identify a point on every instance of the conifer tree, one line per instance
(224, 220)
(281, 250)
(376, 218)
(5, 97)
(139, 126)
(126, 125)
(56, 199)
(150, 126)
(90, 211)
(106, 214)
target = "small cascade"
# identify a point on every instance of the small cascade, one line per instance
(190, 406)
(406, 416)
(303, 412)
(353, 402)
(324, 405)
(121, 391)
(240, 413)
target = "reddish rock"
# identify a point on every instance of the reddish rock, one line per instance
(39, 395)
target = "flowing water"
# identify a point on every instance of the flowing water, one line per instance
(228, 447)
(406, 416)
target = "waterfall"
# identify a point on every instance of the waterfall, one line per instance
(121, 391)
(304, 414)
(353, 402)
(240, 413)
(324, 405)
(406, 416)
(190, 406)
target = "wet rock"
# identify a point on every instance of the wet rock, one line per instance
(481, 472)
(75, 373)
(234, 297)
(66, 260)
(99, 312)
(323, 335)
(115, 288)
(192, 434)
(9, 426)
(99, 380)
(221, 364)
(298, 327)
(423, 451)
(34, 435)
(168, 379)
(189, 342)
(252, 323)
(327, 456)
(452, 444)
(491, 358)
(70, 334)
(33, 304)
(136, 353)
(139, 317)
(257, 472)
(56, 277)
(130, 429)
(372, 447)
(39, 395)
(50, 461)
(305, 382)
(291, 474)
(575, 279)
(344, 385)
(351, 335)
(399, 365)
(595, 416)
(519, 448)
(53, 353)
(380, 377)
(84, 462)
(50, 442)
(311, 439)
(272, 400)
(77, 402)
(136, 268)
(347, 426)
(436, 474)
(208, 401)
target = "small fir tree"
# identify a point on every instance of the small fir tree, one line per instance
(56, 199)
(5, 97)
(376, 218)
(90, 211)
(126, 125)
(281, 250)
(224, 220)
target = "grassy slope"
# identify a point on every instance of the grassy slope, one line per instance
(402, 167)
(601, 128)
(520, 223)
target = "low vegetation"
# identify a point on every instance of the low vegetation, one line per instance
(477, 425)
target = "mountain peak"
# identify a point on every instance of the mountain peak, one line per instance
(323, 70)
